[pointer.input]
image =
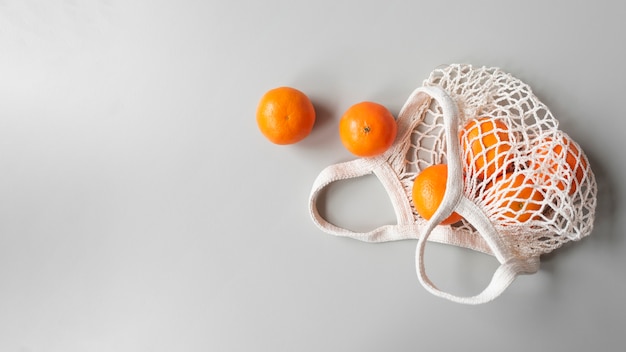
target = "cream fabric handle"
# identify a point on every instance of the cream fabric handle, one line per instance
(454, 200)
(406, 228)
(510, 266)
(348, 170)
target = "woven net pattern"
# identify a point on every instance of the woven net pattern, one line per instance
(532, 181)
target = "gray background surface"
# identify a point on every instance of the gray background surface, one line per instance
(142, 210)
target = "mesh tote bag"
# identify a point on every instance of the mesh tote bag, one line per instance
(522, 186)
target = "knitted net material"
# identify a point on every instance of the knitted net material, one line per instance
(556, 182)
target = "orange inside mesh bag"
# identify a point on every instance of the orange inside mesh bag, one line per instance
(522, 186)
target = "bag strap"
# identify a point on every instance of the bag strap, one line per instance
(405, 227)
(455, 201)
(510, 266)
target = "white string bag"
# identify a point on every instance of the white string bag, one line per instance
(522, 186)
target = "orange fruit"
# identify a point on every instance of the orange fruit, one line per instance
(552, 157)
(285, 115)
(367, 129)
(517, 194)
(428, 190)
(486, 145)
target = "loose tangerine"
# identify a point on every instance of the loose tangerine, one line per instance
(429, 188)
(563, 159)
(367, 129)
(285, 115)
(486, 144)
(517, 194)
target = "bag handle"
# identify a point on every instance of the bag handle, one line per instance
(510, 266)
(406, 227)
(454, 200)
(343, 171)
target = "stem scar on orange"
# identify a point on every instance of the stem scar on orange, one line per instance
(516, 197)
(429, 188)
(560, 159)
(486, 144)
(367, 129)
(285, 115)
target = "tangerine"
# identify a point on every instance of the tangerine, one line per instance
(429, 188)
(517, 194)
(285, 115)
(486, 144)
(561, 158)
(367, 129)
